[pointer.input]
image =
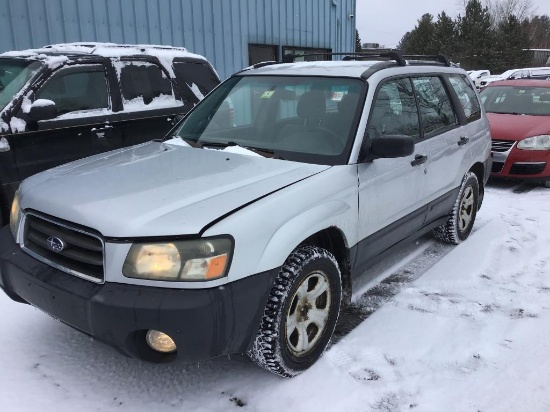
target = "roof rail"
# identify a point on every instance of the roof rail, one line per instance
(257, 66)
(396, 55)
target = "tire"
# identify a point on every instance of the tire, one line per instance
(546, 184)
(289, 341)
(463, 214)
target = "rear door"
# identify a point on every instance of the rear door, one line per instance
(447, 143)
(82, 127)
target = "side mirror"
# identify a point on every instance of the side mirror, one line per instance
(42, 109)
(389, 147)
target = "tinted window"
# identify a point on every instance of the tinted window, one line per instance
(394, 111)
(143, 83)
(467, 96)
(435, 106)
(77, 90)
(196, 80)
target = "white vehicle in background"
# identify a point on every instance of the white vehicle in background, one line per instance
(478, 75)
(513, 74)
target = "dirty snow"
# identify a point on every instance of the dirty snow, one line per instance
(464, 328)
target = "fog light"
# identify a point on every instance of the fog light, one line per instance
(160, 342)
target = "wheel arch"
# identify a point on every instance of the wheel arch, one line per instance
(334, 240)
(479, 170)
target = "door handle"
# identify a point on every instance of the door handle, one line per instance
(100, 131)
(463, 140)
(418, 160)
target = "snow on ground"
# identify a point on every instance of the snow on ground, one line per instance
(463, 328)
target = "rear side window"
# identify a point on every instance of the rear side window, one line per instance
(145, 86)
(394, 111)
(435, 106)
(196, 80)
(77, 89)
(467, 96)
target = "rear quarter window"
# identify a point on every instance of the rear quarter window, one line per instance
(467, 97)
(195, 80)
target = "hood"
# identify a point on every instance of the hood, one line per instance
(157, 189)
(517, 127)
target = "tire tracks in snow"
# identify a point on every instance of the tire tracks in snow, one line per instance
(367, 303)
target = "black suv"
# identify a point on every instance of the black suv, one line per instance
(68, 101)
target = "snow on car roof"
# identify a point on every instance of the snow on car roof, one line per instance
(342, 68)
(104, 50)
(317, 68)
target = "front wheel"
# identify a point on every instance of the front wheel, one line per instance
(546, 184)
(463, 214)
(300, 314)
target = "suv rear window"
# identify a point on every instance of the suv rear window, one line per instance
(198, 77)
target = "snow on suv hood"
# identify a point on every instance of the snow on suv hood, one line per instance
(157, 189)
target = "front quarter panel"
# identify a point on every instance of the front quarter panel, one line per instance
(267, 231)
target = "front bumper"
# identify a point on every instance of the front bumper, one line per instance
(204, 323)
(532, 165)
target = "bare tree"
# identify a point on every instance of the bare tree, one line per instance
(503, 9)
(500, 10)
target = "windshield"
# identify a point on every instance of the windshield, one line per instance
(507, 73)
(305, 119)
(14, 73)
(533, 101)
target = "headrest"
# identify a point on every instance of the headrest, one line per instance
(312, 105)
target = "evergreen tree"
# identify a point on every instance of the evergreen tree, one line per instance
(358, 45)
(445, 35)
(421, 39)
(512, 45)
(475, 40)
(539, 31)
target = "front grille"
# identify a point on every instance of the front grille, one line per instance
(67, 248)
(497, 167)
(527, 168)
(501, 145)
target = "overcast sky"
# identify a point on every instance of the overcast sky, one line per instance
(386, 21)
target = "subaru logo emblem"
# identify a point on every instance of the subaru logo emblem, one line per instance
(56, 244)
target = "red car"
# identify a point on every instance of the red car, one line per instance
(519, 115)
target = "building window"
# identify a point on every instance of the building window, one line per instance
(310, 54)
(258, 53)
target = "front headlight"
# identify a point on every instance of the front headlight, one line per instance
(535, 143)
(15, 215)
(180, 261)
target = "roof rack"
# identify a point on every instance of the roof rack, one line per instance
(397, 55)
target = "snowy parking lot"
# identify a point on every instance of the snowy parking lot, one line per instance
(441, 328)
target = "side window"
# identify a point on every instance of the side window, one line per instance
(435, 106)
(145, 86)
(394, 111)
(467, 96)
(196, 80)
(75, 90)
